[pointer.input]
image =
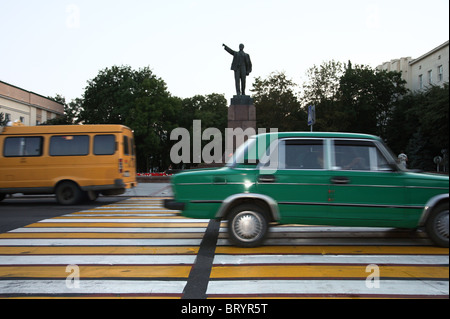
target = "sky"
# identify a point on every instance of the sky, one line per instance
(55, 46)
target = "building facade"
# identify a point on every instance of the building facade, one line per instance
(432, 68)
(30, 108)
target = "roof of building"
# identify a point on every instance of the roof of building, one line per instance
(443, 45)
(21, 95)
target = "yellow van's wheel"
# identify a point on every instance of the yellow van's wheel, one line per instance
(68, 193)
(2, 197)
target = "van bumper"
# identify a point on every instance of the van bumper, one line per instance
(118, 188)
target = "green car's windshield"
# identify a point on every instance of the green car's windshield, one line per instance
(241, 155)
(390, 156)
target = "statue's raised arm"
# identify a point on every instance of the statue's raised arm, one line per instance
(230, 51)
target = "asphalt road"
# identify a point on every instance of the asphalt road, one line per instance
(18, 211)
(21, 211)
(130, 247)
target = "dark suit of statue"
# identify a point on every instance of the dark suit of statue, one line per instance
(242, 67)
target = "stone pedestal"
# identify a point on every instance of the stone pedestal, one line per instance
(242, 114)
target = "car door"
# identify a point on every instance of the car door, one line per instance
(298, 180)
(364, 189)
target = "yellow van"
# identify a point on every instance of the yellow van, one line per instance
(74, 162)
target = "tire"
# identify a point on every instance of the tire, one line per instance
(2, 197)
(247, 226)
(437, 225)
(68, 193)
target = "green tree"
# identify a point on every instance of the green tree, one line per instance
(71, 111)
(419, 125)
(211, 109)
(139, 100)
(277, 104)
(404, 122)
(368, 98)
(2, 120)
(323, 82)
(322, 89)
(434, 119)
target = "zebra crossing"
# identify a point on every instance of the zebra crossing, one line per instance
(133, 248)
(136, 248)
(332, 262)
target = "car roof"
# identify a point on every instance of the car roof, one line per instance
(324, 135)
(62, 129)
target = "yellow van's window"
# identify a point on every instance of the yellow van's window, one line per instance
(104, 145)
(126, 148)
(22, 147)
(69, 145)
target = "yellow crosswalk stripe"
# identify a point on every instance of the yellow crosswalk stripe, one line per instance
(117, 225)
(114, 271)
(326, 271)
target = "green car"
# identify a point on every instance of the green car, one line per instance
(339, 179)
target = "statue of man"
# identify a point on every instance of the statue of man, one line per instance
(242, 67)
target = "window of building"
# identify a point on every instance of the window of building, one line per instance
(430, 77)
(420, 82)
(73, 145)
(440, 73)
(23, 147)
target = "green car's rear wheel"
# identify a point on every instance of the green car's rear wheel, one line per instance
(247, 225)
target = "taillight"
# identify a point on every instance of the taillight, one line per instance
(120, 166)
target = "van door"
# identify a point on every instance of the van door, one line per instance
(23, 165)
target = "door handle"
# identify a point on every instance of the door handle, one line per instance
(341, 180)
(219, 181)
(266, 179)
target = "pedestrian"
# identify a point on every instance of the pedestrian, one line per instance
(403, 158)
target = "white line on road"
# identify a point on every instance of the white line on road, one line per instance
(100, 242)
(330, 259)
(327, 287)
(98, 260)
(37, 287)
(132, 220)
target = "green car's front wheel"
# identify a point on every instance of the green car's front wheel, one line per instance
(247, 225)
(437, 225)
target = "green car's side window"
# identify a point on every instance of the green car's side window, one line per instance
(358, 156)
(302, 154)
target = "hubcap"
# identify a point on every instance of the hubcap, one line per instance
(441, 224)
(67, 193)
(247, 226)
